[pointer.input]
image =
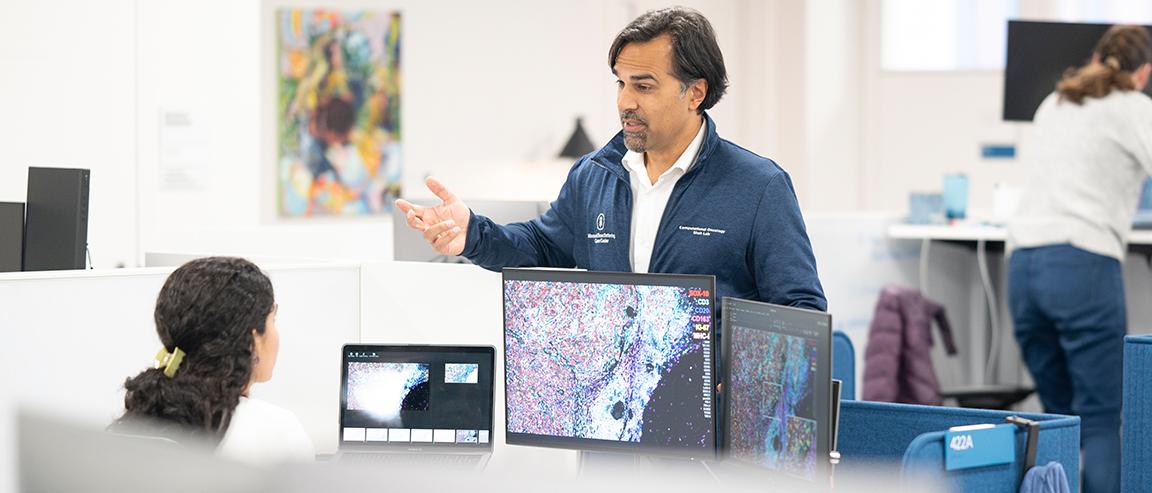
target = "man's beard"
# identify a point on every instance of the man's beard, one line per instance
(635, 141)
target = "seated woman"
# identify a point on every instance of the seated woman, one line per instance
(216, 318)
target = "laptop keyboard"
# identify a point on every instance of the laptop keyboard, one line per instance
(451, 460)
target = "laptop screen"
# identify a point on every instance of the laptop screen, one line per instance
(416, 396)
(778, 386)
(616, 361)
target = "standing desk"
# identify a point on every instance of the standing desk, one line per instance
(991, 352)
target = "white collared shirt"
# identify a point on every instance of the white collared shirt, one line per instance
(649, 199)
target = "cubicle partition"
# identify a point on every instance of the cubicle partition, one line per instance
(910, 439)
(1136, 456)
(69, 339)
(844, 364)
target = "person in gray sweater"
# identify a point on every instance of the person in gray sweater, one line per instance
(1091, 152)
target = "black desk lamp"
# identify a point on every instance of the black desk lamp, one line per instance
(578, 144)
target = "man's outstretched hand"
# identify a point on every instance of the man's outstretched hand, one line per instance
(445, 226)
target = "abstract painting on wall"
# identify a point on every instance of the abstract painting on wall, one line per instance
(338, 112)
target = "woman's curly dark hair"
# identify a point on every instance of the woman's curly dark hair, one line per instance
(208, 308)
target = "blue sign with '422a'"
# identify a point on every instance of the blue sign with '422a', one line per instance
(966, 447)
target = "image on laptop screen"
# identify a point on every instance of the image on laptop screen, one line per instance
(416, 396)
(609, 361)
(778, 386)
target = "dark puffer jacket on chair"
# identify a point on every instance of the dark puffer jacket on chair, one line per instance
(898, 359)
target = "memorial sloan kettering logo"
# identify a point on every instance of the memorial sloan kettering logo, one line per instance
(598, 237)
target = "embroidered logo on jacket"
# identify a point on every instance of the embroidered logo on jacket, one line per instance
(600, 237)
(702, 231)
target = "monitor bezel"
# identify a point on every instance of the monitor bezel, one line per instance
(824, 344)
(483, 350)
(646, 279)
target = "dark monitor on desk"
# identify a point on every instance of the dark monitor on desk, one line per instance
(778, 387)
(1038, 55)
(610, 361)
(56, 231)
(11, 236)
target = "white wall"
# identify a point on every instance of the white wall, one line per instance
(490, 94)
(873, 136)
(66, 93)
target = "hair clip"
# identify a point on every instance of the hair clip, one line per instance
(1112, 62)
(169, 361)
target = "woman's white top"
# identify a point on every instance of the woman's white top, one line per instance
(1086, 166)
(262, 433)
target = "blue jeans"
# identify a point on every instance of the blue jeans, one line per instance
(1068, 309)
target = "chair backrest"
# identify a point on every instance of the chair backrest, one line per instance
(844, 364)
(1135, 458)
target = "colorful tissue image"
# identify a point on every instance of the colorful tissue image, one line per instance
(338, 137)
(467, 436)
(383, 390)
(772, 402)
(606, 361)
(461, 373)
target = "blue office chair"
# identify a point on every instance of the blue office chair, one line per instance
(844, 364)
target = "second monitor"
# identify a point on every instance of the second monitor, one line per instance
(778, 387)
(610, 361)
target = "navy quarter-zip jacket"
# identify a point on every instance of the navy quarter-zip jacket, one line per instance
(733, 215)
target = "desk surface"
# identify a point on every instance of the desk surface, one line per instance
(977, 233)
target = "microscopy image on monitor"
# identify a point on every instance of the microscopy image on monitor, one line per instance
(461, 372)
(772, 394)
(800, 457)
(467, 436)
(385, 389)
(612, 362)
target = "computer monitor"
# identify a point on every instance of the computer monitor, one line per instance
(1038, 55)
(778, 387)
(610, 361)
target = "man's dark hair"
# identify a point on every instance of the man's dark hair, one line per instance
(695, 54)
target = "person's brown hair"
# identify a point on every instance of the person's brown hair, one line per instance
(1121, 51)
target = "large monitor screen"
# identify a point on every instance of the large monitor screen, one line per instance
(1038, 55)
(778, 386)
(610, 361)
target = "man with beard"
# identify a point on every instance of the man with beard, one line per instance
(667, 194)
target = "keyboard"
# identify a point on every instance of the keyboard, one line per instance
(455, 461)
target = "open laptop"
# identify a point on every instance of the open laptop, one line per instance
(407, 405)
